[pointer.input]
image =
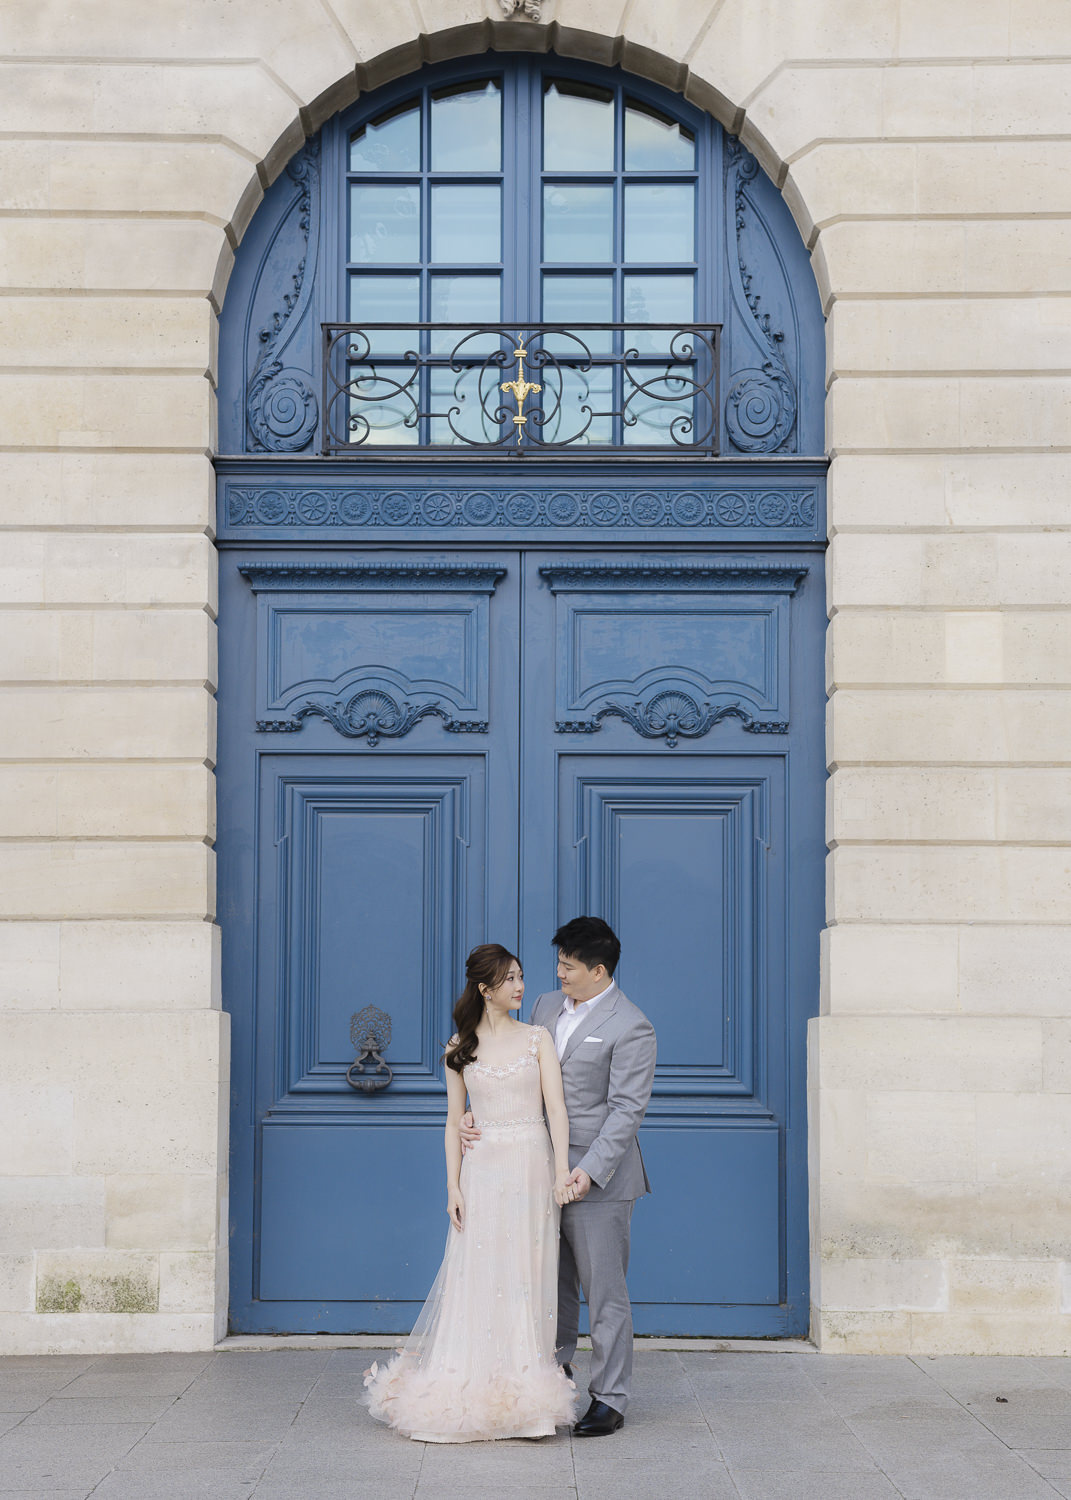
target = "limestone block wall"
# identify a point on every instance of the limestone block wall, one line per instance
(923, 150)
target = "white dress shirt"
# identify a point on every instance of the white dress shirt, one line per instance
(571, 1015)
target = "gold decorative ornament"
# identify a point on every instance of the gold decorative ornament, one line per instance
(520, 388)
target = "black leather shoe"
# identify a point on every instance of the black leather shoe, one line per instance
(568, 1371)
(599, 1420)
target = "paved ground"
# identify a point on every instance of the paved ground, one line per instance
(283, 1425)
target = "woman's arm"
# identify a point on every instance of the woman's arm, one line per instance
(455, 1108)
(550, 1079)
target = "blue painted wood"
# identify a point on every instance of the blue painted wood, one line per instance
(684, 850)
(739, 502)
(370, 871)
(465, 701)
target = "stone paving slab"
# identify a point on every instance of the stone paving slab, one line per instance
(124, 1484)
(713, 1424)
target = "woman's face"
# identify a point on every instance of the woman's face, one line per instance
(509, 994)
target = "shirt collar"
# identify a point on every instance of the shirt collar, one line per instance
(570, 1003)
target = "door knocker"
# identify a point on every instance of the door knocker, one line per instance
(370, 1034)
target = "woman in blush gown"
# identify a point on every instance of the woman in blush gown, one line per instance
(479, 1364)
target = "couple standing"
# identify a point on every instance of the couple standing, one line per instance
(534, 1218)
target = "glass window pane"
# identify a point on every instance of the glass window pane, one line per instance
(656, 299)
(384, 222)
(389, 144)
(374, 299)
(578, 128)
(577, 405)
(569, 300)
(466, 222)
(465, 299)
(578, 222)
(384, 403)
(659, 221)
(655, 143)
(466, 128)
(463, 404)
(658, 405)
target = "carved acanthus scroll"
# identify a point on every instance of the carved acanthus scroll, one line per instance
(760, 405)
(281, 405)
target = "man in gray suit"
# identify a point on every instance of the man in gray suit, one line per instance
(607, 1050)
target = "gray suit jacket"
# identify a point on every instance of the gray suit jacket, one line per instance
(607, 1072)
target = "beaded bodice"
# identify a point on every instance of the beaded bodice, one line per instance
(511, 1094)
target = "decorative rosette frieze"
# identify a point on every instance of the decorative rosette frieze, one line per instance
(751, 507)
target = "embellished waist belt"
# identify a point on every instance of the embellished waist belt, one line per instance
(509, 1124)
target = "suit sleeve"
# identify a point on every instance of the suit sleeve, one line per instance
(632, 1066)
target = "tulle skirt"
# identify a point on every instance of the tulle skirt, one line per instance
(479, 1363)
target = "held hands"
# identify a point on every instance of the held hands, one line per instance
(455, 1207)
(563, 1190)
(571, 1188)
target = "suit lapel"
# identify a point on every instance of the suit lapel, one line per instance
(602, 1012)
(545, 1011)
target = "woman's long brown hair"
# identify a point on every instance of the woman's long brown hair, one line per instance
(488, 964)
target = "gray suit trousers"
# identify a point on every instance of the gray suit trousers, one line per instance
(596, 1235)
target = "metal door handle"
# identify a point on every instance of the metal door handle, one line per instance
(370, 1031)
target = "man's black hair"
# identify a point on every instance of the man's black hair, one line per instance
(591, 940)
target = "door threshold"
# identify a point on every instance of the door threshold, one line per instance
(253, 1342)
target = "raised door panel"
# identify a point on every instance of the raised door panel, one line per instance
(374, 648)
(675, 852)
(675, 857)
(373, 882)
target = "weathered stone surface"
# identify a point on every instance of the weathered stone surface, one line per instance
(98, 1281)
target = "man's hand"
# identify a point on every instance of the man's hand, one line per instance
(580, 1183)
(469, 1133)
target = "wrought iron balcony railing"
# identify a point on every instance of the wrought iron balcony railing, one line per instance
(605, 388)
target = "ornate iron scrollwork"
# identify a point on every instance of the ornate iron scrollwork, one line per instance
(373, 715)
(654, 389)
(671, 716)
(370, 1032)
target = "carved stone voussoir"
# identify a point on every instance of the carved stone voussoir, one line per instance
(527, 10)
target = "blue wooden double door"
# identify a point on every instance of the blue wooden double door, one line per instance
(425, 750)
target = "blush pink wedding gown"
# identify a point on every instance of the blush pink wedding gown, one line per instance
(479, 1364)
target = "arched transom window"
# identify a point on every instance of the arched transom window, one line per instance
(522, 193)
(462, 236)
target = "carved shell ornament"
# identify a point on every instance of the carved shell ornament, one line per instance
(371, 715)
(672, 715)
(531, 10)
